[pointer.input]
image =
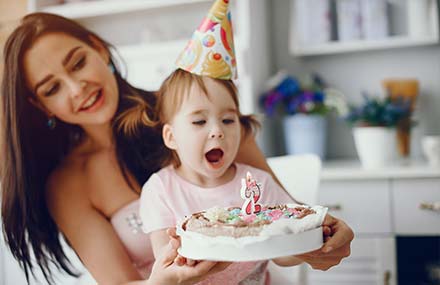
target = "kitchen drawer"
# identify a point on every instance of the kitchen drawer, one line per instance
(363, 204)
(408, 195)
(372, 262)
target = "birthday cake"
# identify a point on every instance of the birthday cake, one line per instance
(229, 234)
(252, 232)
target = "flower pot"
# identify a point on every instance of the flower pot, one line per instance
(376, 146)
(305, 134)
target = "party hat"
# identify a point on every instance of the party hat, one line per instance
(210, 51)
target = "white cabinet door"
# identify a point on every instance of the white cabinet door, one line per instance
(409, 215)
(363, 204)
(372, 262)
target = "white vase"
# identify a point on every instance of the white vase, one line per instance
(305, 134)
(376, 146)
(431, 150)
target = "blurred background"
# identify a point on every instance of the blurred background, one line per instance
(356, 82)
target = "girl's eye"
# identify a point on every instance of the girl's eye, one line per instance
(228, 121)
(79, 64)
(199, 122)
(52, 90)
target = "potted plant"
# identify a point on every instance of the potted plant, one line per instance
(374, 128)
(304, 106)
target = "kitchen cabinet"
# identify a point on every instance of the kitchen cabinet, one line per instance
(399, 22)
(363, 204)
(379, 205)
(414, 209)
(372, 262)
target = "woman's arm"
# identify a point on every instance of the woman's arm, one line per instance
(249, 153)
(91, 236)
(182, 273)
(337, 234)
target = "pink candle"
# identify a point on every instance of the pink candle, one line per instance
(251, 192)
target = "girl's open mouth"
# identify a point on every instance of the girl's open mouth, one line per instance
(214, 157)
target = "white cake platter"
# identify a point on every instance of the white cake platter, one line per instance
(200, 247)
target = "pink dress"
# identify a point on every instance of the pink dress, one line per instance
(128, 227)
(166, 198)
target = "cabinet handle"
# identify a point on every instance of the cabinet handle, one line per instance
(386, 277)
(431, 206)
(334, 207)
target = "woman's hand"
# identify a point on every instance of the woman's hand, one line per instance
(171, 268)
(337, 238)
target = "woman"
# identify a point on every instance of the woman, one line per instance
(69, 165)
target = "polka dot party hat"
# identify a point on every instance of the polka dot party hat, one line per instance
(210, 52)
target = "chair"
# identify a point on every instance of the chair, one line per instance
(300, 175)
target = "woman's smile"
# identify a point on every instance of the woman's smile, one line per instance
(94, 102)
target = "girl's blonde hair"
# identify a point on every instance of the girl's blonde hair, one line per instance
(176, 88)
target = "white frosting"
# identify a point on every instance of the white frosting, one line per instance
(216, 214)
(278, 227)
(294, 226)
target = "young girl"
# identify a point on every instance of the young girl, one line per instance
(202, 127)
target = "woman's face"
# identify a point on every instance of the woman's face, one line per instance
(71, 80)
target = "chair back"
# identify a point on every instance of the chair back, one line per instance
(299, 174)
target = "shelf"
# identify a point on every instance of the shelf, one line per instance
(88, 9)
(398, 27)
(362, 45)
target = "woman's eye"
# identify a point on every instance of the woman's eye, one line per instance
(228, 121)
(79, 64)
(52, 90)
(199, 122)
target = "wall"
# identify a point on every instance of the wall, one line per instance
(358, 71)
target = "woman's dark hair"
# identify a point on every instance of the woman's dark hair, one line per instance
(31, 151)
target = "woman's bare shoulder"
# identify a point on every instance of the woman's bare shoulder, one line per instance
(77, 173)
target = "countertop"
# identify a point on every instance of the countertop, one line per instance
(352, 169)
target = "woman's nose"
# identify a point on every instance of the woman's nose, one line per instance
(76, 87)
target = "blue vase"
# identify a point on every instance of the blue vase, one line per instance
(305, 134)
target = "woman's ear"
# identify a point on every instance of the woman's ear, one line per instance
(168, 137)
(100, 47)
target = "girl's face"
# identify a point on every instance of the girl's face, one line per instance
(205, 133)
(71, 80)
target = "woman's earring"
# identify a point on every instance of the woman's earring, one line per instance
(111, 67)
(51, 123)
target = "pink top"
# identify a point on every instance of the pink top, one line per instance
(167, 198)
(128, 227)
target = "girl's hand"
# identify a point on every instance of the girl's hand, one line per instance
(337, 238)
